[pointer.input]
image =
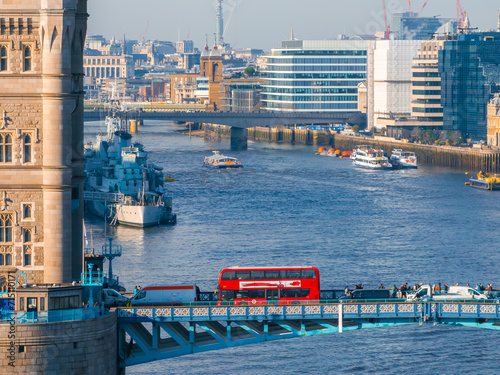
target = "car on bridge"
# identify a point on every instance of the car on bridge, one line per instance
(367, 294)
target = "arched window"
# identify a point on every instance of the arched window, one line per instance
(6, 228)
(3, 58)
(8, 259)
(27, 255)
(27, 211)
(5, 148)
(27, 235)
(27, 59)
(1, 260)
(27, 148)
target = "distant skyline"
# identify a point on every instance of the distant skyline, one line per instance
(265, 23)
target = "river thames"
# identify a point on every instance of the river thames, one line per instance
(288, 206)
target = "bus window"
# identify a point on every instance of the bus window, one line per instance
(273, 274)
(229, 275)
(308, 274)
(293, 274)
(227, 295)
(242, 294)
(257, 293)
(243, 275)
(257, 275)
(294, 293)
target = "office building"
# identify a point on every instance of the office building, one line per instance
(409, 26)
(241, 95)
(390, 83)
(184, 46)
(469, 66)
(97, 68)
(315, 75)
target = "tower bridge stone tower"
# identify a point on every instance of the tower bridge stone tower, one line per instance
(41, 138)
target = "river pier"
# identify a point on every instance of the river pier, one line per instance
(461, 158)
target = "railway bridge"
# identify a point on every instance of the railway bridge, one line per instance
(148, 334)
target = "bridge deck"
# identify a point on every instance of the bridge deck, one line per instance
(147, 334)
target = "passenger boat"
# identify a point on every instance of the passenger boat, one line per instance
(403, 159)
(217, 160)
(368, 158)
(121, 185)
(485, 181)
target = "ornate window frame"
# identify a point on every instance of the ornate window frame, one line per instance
(27, 151)
(3, 148)
(4, 59)
(27, 61)
(22, 211)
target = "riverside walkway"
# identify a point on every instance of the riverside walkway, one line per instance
(148, 334)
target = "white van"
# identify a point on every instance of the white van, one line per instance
(165, 295)
(454, 292)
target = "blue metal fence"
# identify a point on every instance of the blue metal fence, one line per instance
(51, 316)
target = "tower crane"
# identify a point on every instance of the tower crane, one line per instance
(423, 6)
(460, 15)
(387, 26)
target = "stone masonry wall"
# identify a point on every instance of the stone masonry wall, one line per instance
(79, 347)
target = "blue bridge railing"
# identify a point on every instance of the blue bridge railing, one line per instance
(50, 316)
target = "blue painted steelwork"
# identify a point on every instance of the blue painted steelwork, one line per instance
(148, 334)
(51, 316)
(92, 278)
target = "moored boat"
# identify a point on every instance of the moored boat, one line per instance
(121, 185)
(485, 182)
(369, 158)
(217, 160)
(403, 159)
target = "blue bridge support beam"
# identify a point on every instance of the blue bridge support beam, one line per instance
(148, 334)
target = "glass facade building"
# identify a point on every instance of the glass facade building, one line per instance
(409, 26)
(469, 66)
(315, 75)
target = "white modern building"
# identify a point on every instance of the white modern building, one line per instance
(315, 75)
(390, 86)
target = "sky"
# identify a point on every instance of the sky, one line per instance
(265, 23)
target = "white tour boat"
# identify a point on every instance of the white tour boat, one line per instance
(404, 159)
(369, 158)
(217, 160)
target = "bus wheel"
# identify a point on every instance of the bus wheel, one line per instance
(295, 302)
(243, 304)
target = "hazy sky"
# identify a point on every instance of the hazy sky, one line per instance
(264, 23)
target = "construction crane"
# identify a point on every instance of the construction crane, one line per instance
(387, 26)
(460, 15)
(421, 9)
(146, 33)
(409, 7)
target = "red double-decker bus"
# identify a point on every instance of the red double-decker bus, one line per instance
(268, 285)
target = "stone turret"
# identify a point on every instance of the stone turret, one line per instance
(41, 111)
